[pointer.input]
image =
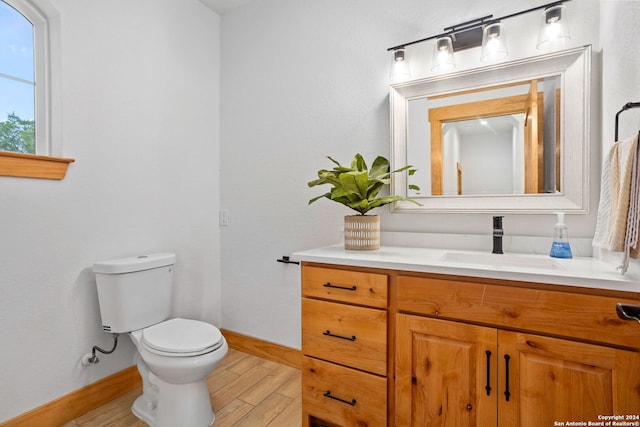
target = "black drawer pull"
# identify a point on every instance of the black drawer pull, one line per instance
(328, 394)
(346, 288)
(329, 334)
(628, 311)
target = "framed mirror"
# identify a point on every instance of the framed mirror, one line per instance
(511, 137)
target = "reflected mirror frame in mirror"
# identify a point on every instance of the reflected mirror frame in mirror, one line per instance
(574, 68)
(511, 128)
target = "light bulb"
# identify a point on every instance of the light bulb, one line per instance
(494, 43)
(400, 70)
(554, 30)
(443, 54)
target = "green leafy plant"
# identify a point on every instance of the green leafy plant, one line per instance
(357, 187)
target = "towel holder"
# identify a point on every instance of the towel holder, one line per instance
(285, 259)
(625, 107)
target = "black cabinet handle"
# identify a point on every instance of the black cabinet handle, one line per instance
(507, 393)
(328, 394)
(329, 334)
(628, 311)
(488, 386)
(346, 288)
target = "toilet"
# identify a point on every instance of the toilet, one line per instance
(175, 356)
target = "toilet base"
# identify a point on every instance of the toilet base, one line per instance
(163, 404)
(177, 405)
(184, 405)
(144, 410)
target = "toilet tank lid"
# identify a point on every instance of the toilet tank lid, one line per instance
(134, 263)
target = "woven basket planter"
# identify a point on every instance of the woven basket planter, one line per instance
(362, 232)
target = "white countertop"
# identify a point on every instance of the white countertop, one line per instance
(582, 272)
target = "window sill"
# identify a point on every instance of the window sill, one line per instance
(33, 166)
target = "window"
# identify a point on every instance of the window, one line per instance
(17, 82)
(28, 140)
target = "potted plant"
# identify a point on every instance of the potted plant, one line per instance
(357, 187)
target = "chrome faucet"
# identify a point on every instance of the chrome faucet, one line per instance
(497, 235)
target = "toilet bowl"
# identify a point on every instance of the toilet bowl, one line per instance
(175, 358)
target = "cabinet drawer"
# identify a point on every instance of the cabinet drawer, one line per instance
(343, 396)
(353, 287)
(345, 334)
(588, 317)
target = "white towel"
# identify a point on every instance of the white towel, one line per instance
(619, 211)
(631, 248)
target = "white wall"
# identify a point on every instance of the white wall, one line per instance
(303, 79)
(620, 67)
(140, 86)
(451, 149)
(487, 163)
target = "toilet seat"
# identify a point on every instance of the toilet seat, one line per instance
(181, 337)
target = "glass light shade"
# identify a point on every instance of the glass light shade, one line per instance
(554, 30)
(400, 70)
(494, 43)
(443, 55)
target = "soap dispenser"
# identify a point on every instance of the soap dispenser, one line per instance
(560, 247)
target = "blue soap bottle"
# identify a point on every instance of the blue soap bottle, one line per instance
(560, 247)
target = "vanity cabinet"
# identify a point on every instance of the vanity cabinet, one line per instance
(344, 346)
(384, 347)
(474, 354)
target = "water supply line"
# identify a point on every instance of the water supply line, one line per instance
(92, 358)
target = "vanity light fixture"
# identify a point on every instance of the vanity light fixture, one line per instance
(487, 32)
(494, 43)
(554, 30)
(443, 54)
(400, 69)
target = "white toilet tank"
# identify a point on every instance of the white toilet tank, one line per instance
(134, 292)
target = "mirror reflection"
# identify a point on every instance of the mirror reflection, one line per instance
(509, 137)
(502, 139)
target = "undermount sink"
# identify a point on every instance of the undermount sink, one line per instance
(495, 260)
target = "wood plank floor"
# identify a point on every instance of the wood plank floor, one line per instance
(246, 391)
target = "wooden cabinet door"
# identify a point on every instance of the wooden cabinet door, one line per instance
(441, 373)
(555, 380)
